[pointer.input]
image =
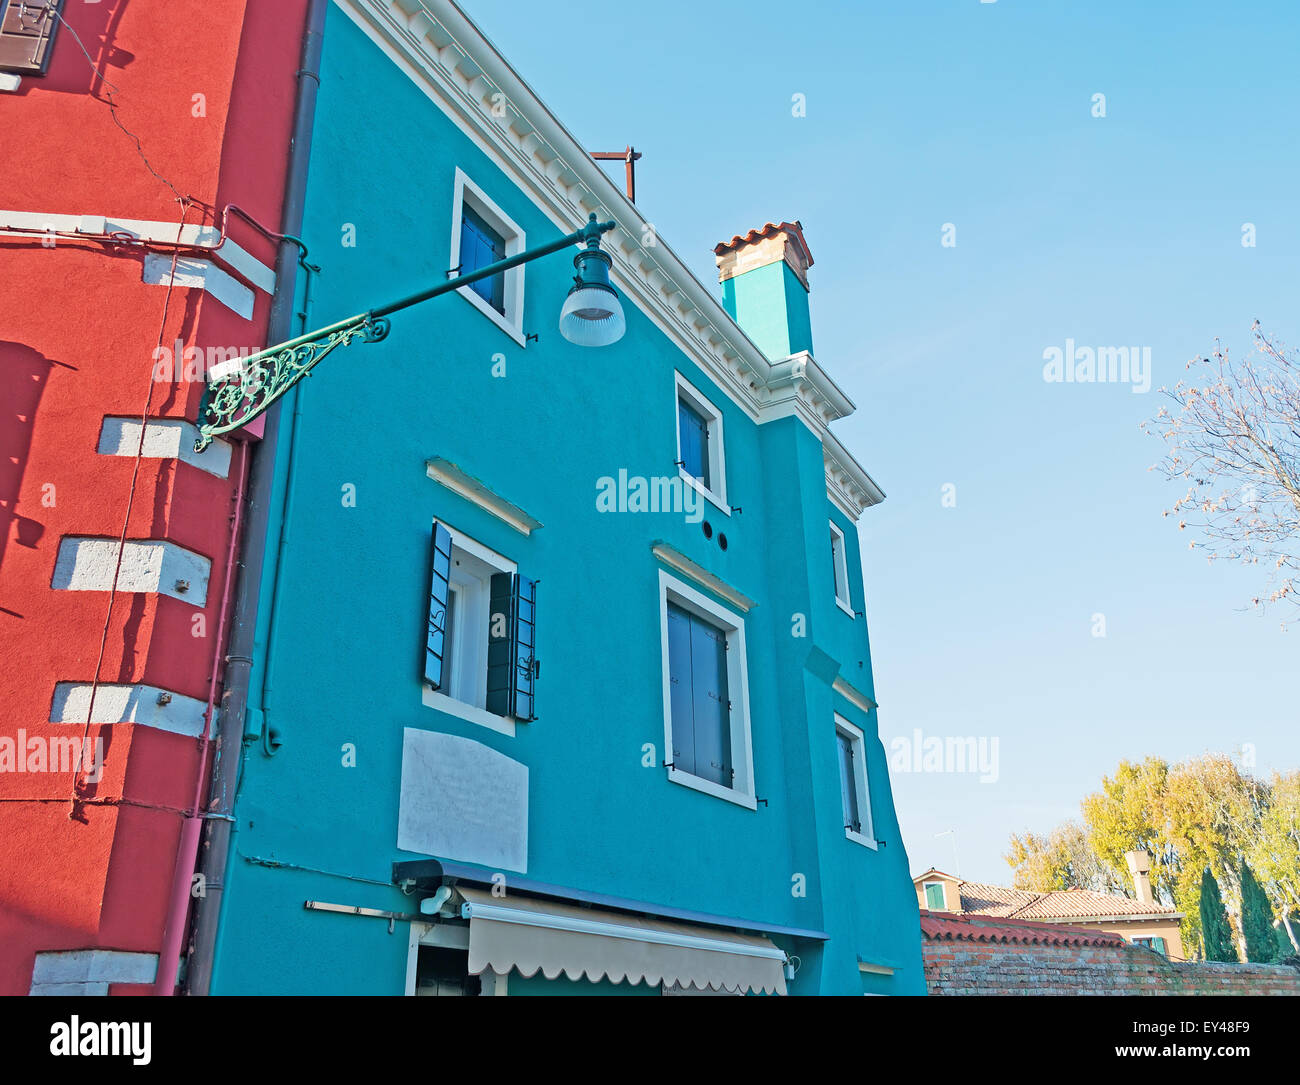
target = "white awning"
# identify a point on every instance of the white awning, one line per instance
(531, 935)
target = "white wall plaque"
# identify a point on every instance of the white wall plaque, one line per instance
(462, 800)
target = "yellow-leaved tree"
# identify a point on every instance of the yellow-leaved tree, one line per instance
(1198, 813)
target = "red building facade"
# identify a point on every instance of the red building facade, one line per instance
(141, 171)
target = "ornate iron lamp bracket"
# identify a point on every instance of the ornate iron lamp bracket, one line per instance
(261, 379)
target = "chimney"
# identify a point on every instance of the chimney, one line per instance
(764, 277)
(1139, 865)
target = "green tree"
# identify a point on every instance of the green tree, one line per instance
(1274, 851)
(1256, 919)
(1214, 922)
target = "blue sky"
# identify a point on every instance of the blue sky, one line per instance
(1122, 230)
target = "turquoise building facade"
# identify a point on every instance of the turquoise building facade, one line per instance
(562, 680)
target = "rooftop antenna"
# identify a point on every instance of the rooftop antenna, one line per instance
(630, 156)
(956, 861)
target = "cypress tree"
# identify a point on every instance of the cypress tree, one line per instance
(1214, 922)
(1256, 919)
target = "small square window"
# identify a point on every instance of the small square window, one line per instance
(840, 565)
(700, 450)
(27, 33)
(483, 234)
(855, 795)
(934, 897)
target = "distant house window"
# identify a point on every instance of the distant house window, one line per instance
(934, 898)
(1155, 942)
(855, 795)
(706, 703)
(482, 234)
(840, 565)
(480, 661)
(700, 450)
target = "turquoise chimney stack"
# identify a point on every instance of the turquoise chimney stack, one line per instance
(764, 276)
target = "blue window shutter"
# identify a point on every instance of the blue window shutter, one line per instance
(699, 704)
(525, 648)
(512, 640)
(693, 432)
(849, 783)
(682, 755)
(480, 246)
(712, 709)
(439, 596)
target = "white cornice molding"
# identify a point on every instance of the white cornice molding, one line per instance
(847, 484)
(436, 44)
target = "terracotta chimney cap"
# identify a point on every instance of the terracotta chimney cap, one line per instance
(793, 230)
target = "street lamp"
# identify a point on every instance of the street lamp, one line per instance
(592, 316)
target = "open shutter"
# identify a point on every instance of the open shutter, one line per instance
(512, 641)
(27, 36)
(435, 647)
(849, 783)
(525, 648)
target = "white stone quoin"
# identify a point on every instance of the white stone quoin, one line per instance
(148, 565)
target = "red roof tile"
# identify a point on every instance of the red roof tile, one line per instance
(947, 927)
(771, 229)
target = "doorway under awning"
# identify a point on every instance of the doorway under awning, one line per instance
(531, 935)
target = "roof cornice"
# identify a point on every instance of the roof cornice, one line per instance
(443, 51)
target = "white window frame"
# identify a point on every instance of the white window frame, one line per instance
(742, 748)
(716, 445)
(867, 837)
(471, 627)
(840, 560)
(466, 191)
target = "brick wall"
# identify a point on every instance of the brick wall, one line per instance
(957, 967)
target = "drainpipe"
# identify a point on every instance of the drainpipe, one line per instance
(239, 657)
(192, 827)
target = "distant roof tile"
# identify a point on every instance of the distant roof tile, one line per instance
(998, 900)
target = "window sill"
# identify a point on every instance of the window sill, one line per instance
(846, 607)
(717, 500)
(502, 322)
(858, 838)
(729, 794)
(469, 713)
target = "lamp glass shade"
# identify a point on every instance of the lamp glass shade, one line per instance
(592, 317)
